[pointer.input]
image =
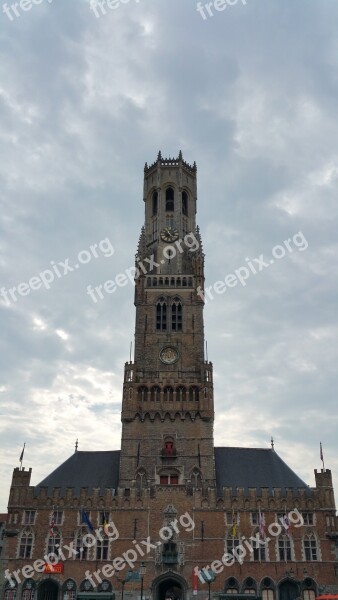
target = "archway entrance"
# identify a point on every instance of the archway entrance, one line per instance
(169, 587)
(48, 590)
(288, 590)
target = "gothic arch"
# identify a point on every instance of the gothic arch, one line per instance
(168, 580)
(48, 589)
(288, 588)
(196, 477)
(141, 479)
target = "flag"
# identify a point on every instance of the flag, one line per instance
(105, 525)
(86, 520)
(286, 524)
(261, 523)
(52, 525)
(234, 524)
(22, 453)
(322, 455)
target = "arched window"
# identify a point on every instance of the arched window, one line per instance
(196, 479)
(10, 592)
(141, 479)
(284, 548)
(26, 544)
(185, 203)
(249, 586)
(268, 590)
(69, 590)
(168, 393)
(142, 393)
(29, 590)
(309, 591)
(310, 547)
(181, 393)
(176, 314)
(161, 315)
(155, 203)
(169, 200)
(231, 586)
(81, 548)
(194, 393)
(86, 586)
(155, 393)
(105, 586)
(54, 542)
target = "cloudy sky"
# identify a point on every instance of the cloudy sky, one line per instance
(251, 94)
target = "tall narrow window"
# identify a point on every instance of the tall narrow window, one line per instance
(310, 547)
(57, 517)
(54, 542)
(142, 393)
(29, 517)
(232, 544)
(284, 548)
(155, 203)
(181, 393)
(169, 200)
(185, 203)
(161, 315)
(259, 548)
(102, 549)
(155, 393)
(26, 545)
(81, 548)
(176, 315)
(168, 393)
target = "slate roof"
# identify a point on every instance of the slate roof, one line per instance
(85, 470)
(235, 467)
(255, 468)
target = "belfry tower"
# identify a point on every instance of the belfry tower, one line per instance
(167, 408)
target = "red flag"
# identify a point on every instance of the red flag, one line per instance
(194, 582)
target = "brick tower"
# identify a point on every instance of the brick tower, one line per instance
(167, 409)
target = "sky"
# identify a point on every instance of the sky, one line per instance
(251, 94)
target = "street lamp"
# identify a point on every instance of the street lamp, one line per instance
(142, 573)
(208, 576)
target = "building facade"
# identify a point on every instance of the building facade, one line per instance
(170, 516)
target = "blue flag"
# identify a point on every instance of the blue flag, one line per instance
(86, 520)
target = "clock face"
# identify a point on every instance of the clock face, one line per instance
(169, 234)
(169, 355)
